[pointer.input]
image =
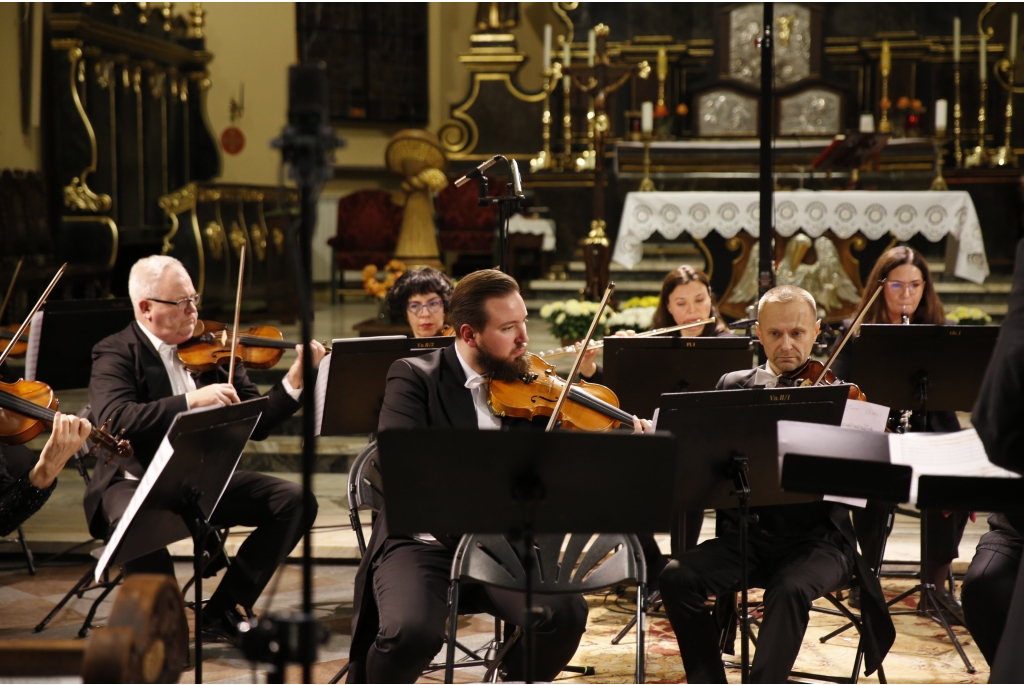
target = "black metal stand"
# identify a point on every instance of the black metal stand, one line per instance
(738, 471)
(199, 526)
(506, 208)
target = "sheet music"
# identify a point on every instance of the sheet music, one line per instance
(35, 334)
(865, 416)
(149, 478)
(943, 454)
(320, 392)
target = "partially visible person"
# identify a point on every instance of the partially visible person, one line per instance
(23, 489)
(993, 592)
(422, 297)
(908, 297)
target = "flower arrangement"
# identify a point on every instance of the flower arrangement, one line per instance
(379, 282)
(645, 301)
(912, 111)
(969, 316)
(637, 318)
(570, 320)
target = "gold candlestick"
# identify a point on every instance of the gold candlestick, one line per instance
(939, 183)
(647, 185)
(958, 153)
(979, 155)
(567, 163)
(543, 160)
(1004, 155)
(885, 66)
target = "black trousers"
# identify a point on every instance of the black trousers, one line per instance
(940, 547)
(271, 505)
(987, 592)
(410, 587)
(793, 571)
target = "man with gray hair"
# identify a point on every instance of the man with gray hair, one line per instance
(796, 552)
(139, 383)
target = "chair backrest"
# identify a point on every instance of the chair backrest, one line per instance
(365, 485)
(493, 560)
(367, 221)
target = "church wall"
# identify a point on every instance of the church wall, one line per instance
(17, 151)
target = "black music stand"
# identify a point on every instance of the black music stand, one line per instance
(922, 367)
(968, 493)
(728, 455)
(181, 489)
(358, 376)
(541, 483)
(63, 334)
(683, 365)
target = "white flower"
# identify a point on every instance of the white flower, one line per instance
(545, 311)
(560, 318)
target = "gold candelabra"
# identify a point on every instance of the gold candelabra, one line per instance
(647, 185)
(552, 76)
(979, 155)
(567, 163)
(885, 66)
(587, 159)
(958, 152)
(1004, 155)
(939, 183)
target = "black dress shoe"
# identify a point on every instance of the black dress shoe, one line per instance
(224, 626)
(854, 597)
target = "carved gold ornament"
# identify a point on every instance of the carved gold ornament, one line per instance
(237, 236)
(215, 239)
(259, 241)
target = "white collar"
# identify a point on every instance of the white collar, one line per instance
(473, 379)
(158, 344)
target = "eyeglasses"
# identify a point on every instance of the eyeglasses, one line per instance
(897, 287)
(181, 304)
(434, 306)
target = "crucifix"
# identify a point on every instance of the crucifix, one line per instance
(599, 80)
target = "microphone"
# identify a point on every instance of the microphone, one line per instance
(517, 180)
(478, 172)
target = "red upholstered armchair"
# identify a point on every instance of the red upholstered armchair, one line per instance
(367, 229)
(463, 225)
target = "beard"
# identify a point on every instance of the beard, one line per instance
(502, 368)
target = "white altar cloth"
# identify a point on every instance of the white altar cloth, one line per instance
(518, 223)
(874, 213)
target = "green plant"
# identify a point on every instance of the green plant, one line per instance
(570, 320)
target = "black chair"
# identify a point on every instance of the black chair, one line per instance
(19, 460)
(586, 564)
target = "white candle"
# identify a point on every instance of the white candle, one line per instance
(941, 112)
(982, 66)
(1013, 37)
(566, 61)
(591, 47)
(647, 117)
(867, 123)
(547, 47)
(956, 39)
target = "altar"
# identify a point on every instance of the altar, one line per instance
(873, 214)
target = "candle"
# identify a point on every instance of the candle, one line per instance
(1013, 37)
(591, 47)
(647, 117)
(941, 111)
(547, 47)
(982, 66)
(867, 123)
(566, 61)
(662, 64)
(886, 61)
(956, 39)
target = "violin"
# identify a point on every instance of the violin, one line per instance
(588, 406)
(259, 347)
(27, 407)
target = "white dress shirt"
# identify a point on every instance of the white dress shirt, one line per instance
(765, 377)
(479, 386)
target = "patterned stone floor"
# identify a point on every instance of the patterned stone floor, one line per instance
(922, 653)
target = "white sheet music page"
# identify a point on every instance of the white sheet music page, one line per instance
(156, 467)
(35, 334)
(943, 454)
(865, 416)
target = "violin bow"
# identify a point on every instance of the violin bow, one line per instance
(24, 324)
(10, 288)
(579, 358)
(853, 330)
(238, 312)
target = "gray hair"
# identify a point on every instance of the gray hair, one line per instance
(787, 293)
(144, 279)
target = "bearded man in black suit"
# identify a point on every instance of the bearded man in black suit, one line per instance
(401, 590)
(140, 385)
(796, 552)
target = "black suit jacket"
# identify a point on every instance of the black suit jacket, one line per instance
(130, 387)
(422, 392)
(821, 521)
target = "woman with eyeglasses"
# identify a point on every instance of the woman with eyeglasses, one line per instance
(909, 298)
(422, 295)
